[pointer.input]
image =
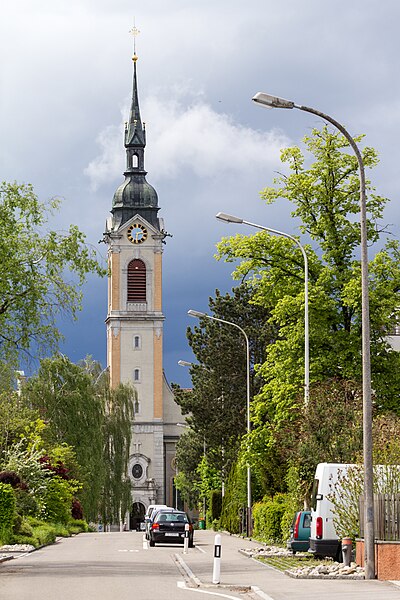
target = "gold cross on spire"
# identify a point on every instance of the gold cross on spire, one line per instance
(135, 32)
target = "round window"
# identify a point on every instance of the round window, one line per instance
(137, 471)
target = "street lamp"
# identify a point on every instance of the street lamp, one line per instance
(232, 219)
(197, 314)
(184, 363)
(274, 102)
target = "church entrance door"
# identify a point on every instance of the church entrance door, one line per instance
(137, 516)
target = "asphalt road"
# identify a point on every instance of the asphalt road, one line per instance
(100, 566)
(121, 566)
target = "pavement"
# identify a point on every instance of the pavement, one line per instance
(266, 582)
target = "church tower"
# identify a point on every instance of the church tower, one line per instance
(135, 235)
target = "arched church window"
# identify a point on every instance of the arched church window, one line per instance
(136, 375)
(136, 281)
(135, 161)
(136, 342)
(136, 407)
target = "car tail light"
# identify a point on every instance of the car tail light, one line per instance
(296, 527)
(155, 526)
(318, 528)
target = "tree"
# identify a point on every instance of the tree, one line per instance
(65, 396)
(189, 452)
(119, 415)
(15, 420)
(216, 407)
(34, 290)
(83, 412)
(325, 195)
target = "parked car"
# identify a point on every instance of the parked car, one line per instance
(300, 531)
(150, 513)
(149, 520)
(169, 527)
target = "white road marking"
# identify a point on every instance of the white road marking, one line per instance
(182, 585)
(201, 550)
(260, 593)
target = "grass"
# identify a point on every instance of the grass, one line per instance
(283, 563)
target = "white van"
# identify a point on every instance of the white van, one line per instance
(323, 538)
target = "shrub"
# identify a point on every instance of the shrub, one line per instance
(58, 501)
(25, 503)
(78, 524)
(60, 529)
(25, 539)
(25, 529)
(10, 477)
(45, 534)
(76, 510)
(7, 512)
(267, 518)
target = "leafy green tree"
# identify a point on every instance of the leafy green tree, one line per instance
(216, 406)
(325, 195)
(189, 452)
(84, 414)
(15, 420)
(119, 415)
(34, 290)
(66, 398)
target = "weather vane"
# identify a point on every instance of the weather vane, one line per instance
(135, 32)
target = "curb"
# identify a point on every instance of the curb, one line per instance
(187, 571)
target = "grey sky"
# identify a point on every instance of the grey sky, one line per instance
(66, 75)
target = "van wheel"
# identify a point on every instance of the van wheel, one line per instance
(293, 552)
(339, 555)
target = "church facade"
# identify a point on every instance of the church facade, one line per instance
(135, 236)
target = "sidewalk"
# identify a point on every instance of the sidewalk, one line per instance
(238, 570)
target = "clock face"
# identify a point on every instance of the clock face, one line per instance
(137, 471)
(137, 233)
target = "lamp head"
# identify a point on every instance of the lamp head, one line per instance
(272, 101)
(196, 313)
(184, 363)
(228, 218)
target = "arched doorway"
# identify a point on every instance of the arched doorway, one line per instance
(136, 516)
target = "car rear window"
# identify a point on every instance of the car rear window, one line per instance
(307, 520)
(172, 517)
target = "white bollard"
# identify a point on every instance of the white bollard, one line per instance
(186, 540)
(217, 559)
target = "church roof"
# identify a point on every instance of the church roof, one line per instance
(135, 194)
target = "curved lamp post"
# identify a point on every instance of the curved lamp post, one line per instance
(198, 315)
(274, 102)
(232, 219)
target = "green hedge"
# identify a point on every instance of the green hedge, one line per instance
(7, 512)
(267, 518)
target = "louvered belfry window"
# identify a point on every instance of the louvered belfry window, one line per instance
(136, 281)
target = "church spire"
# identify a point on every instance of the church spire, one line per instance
(135, 135)
(135, 195)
